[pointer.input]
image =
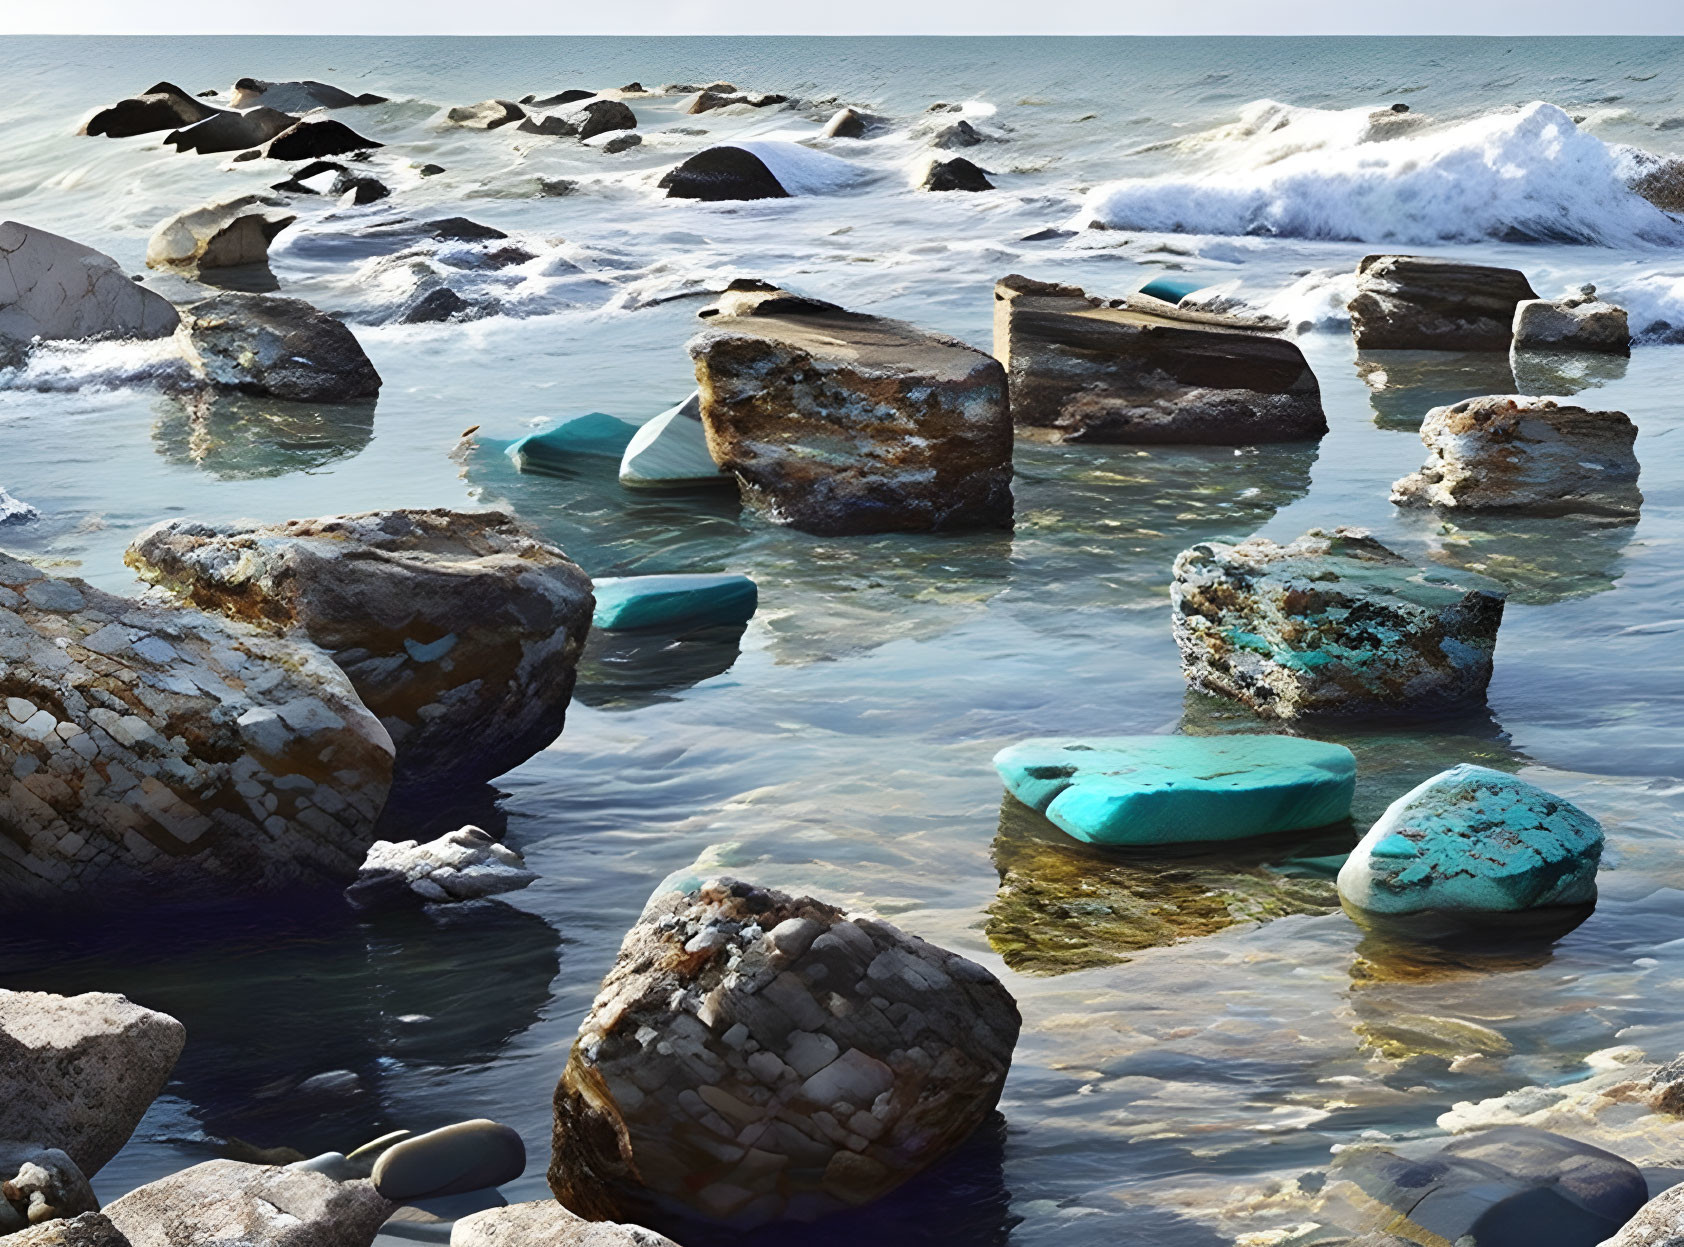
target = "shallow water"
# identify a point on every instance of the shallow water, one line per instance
(841, 745)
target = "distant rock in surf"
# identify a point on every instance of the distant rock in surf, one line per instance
(957, 174)
(758, 169)
(231, 132)
(55, 289)
(848, 123)
(265, 344)
(225, 234)
(570, 96)
(14, 511)
(295, 97)
(585, 121)
(312, 139)
(163, 107)
(710, 100)
(486, 115)
(1411, 303)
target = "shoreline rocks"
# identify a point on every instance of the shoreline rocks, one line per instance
(224, 234)
(546, 1223)
(55, 289)
(285, 348)
(1411, 303)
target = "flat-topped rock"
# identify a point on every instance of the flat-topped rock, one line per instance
(1142, 790)
(1411, 303)
(224, 234)
(226, 1203)
(54, 289)
(836, 422)
(266, 344)
(1578, 321)
(1537, 455)
(459, 630)
(755, 1057)
(1098, 373)
(158, 748)
(671, 452)
(694, 600)
(547, 1223)
(164, 107)
(231, 132)
(1332, 624)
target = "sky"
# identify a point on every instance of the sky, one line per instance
(946, 17)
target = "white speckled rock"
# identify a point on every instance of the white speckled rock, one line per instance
(462, 865)
(755, 1057)
(223, 234)
(52, 288)
(1579, 321)
(79, 1072)
(225, 1203)
(546, 1223)
(166, 749)
(90, 1229)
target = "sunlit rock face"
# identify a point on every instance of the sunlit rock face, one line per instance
(755, 1057)
(1410, 303)
(52, 288)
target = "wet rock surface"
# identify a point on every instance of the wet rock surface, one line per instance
(164, 106)
(89, 1229)
(1578, 321)
(316, 137)
(266, 344)
(1411, 303)
(1098, 373)
(53, 288)
(228, 1202)
(955, 174)
(231, 132)
(546, 1223)
(754, 1057)
(218, 235)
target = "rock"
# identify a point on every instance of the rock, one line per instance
(460, 631)
(431, 170)
(164, 107)
(266, 344)
(486, 115)
(710, 99)
(165, 749)
(463, 865)
(671, 452)
(1410, 303)
(359, 189)
(315, 138)
(231, 132)
(601, 116)
(40, 1184)
(90, 1229)
(621, 143)
(79, 1072)
(754, 1056)
(674, 602)
(720, 173)
(1332, 624)
(437, 305)
(1473, 844)
(469, 1156)
(571, 96)
(546, 1223)
(836, 422)
(1098, 373)
(324, 173)
(223, 234)
(226, 1203)
(957, 174)
(292, 97)
(1659, 1223)
(14, 512)
(556, 449)
(1141, 790)
(960, 134)
(848, 123)
(55, 289)
(555, 127)
(1510, 1186)
(1506, 452)
(1579, 321)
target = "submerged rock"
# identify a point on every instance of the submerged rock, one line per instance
(460, 631)
(622, 142)
(486, 115)
(55, 289)
(1097, 373)
(1333, 624)
(231, 132)
(837, 422)
(1472, 845)
(266, 344)
(164, 107)
(79, 1072)
(1142, 790)
(462, 865)
(1411, 303)
(755, 1057)
(224, 1203)
(1538, 455)
(453, 1160)
(557, 449)
(223, 234)
(698, 600)
(671, 452)
(956, 174)
(546, 1223)
(1577, 322)
(163, 748)
(719, 173)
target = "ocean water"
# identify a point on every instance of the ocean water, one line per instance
(1162, 1092)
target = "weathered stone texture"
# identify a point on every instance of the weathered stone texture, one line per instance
(53, 288)
(226, 1203)
(1409, 303)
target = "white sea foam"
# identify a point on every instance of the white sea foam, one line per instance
(1315, 302)
(801, 170)
(68, 367)
(1527, 175)
(1654, 304)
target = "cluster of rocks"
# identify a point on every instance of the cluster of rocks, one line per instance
(273, 120)
(582, 115)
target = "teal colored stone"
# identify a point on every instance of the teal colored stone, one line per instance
(1173, 289)
(1143, 790)
(558, 449)
(700, 600)
(1472, 840)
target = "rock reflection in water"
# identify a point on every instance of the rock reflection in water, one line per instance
(628, 670)
(1540, 560)
(237, 437)
(1565, 372)
(246, 278)
(1405, 385)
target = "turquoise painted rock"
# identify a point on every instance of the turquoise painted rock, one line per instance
(1473, 842)
(700, 600)
(469, 1156)
(557, 449)
(1173, 289)
(1145, 790)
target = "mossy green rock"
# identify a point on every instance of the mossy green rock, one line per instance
(1146, 790)
(701, 600)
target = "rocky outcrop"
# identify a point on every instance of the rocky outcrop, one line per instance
(224, 1203)
(457, 629)
(1578, 321)
(1094, 372)
(266, 344)
(52, 288)
(225, 234)
(163, 107)
(1658, 1223)
(486, 115)
(462, 865)
(956, 174)
(315, 139)
(79, 1072)
(1473, 845)
(837, 422)
(1410, 303)
(722, 173)
(546, 1223)
(169, 750)
(1332, 624)
(231, 132)
(1509, 453)
(754, 1056)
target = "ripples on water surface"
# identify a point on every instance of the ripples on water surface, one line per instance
(842, 744)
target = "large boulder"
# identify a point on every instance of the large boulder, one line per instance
(52, 288)
(224, 234)
(1659, 1223)
(226, 1203)
(1332, 624)
(315, 138)
(1098, 373)
(547, 1223)
(457, 629)
(754, 1057)
(164, 748)
(90, 1229)
(163, 107)
(838, 422)
(1474, 845)
(79, 1072)
(1539, 455)
(231, 132)
(1578, 321)
(720, 173)
(266, 344)
(1410, 303)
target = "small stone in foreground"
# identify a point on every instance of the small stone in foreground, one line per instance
(683, 601)
(468, 1156)
(462, 865)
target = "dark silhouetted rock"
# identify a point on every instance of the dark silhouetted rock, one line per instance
(314, 139)
(265, 344)
(164, 107)
(231, 132)
(720, 173)
(957, 174)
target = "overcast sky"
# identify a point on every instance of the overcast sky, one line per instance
(950, 17)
